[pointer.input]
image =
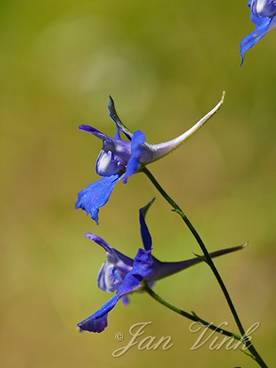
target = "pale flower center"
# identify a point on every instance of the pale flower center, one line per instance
(260, 4)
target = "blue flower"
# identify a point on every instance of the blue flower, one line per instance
(123, 275)
(121, 158)
(262, 14)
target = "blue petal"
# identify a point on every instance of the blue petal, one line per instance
(91, 198)
(97, 322)
(94, 325)
(250, 40)
(114, 269)
(264, 19)
(93, 131)
(143, 264)
(133, 164)
(165, 269)
(114, 116)
(145, 234)
(142, 268)
(100, 241)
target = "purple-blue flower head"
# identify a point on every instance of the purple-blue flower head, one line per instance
(123, 275)
(263, 15)
(121, 158)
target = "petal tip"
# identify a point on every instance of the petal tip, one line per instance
(89, 236)
(147, 206)
(111, 106)
(85, 127)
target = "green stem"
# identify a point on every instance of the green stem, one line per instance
(191, 316)
(211, 264)
(195, 318)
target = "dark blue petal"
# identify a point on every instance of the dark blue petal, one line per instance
(165, 269)
(145, 234)
(114, 116)
(94, 325)
(97, 322)
(142, 267)
(100, 241)
(91, 130)
(91, 198)
(133, 164)
(143, 264)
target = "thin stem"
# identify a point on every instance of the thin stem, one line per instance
(195, 318)
(210, 262)
(191, 316)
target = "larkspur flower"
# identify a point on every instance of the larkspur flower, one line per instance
(263, 15)
(124, 275)
(119, 159)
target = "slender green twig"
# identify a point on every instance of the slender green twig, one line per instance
(211, 264)
(195, 318)
(191, 316)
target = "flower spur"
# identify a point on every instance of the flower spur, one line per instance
(263, 15)
(119, 159)
(124, 275)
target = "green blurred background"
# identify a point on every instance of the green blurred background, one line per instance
(166, 64)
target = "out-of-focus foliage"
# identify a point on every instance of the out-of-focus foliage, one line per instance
(165, 64)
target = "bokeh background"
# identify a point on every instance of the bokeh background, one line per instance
(166, 64)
